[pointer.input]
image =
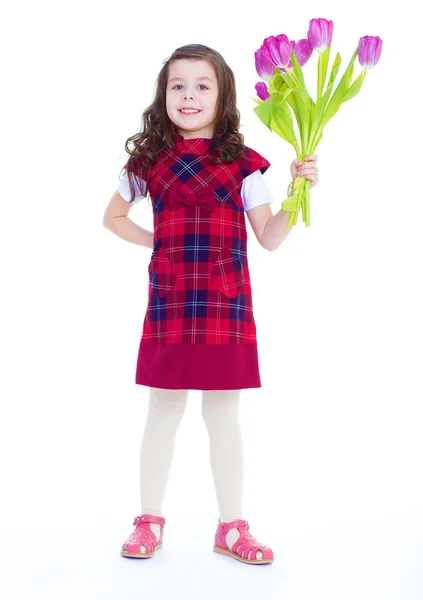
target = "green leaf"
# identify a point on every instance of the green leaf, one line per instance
(355, 87)
(350, 74)
(334, 71)
(281, 123)
(278, 81)
(290, 204)
(322, 67)
(282, 96)
(318, 110)
(257, 100)
(297, 69)
(290, 99)
(304, 111)
(263, 111)
(315, 143)
(304, 102)
(290, 79)
(299, 73)
(337, 98)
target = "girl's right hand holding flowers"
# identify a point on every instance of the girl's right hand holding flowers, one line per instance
(308, 169)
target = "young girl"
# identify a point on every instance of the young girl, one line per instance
(199, 330)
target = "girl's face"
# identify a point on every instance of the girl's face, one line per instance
(192, 83)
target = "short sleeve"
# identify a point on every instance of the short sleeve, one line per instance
(251, 161)
(140, 187)
(254, 191)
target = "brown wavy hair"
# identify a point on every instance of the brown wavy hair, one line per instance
(158, 131)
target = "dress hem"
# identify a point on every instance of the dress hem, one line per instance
(198, 366)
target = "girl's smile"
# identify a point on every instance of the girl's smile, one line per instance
(189, 112)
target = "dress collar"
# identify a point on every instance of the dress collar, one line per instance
(199, 145)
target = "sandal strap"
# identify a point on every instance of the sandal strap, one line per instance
(146, 518)
(225, 527)
(247, 543)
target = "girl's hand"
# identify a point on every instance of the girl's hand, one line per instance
(308, 169)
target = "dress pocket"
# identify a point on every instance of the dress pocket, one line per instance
(161, 272)
(228, 273)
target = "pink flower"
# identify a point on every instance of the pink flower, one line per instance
(279, 48)
(265, 67)
(303, 50)
(369, 49)
(261, 89)
(320, 34)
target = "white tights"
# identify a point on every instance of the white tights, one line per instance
(220, 409)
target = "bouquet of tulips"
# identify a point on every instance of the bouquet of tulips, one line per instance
(279, 62)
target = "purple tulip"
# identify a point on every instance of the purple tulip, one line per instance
(265, 67)
(320, 34)
(261, 89)
(279, 48)
(369, 49)
(303, 50)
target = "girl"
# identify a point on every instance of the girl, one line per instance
(199, 329)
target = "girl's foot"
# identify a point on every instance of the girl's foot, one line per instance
(234, 539)
(146, 538)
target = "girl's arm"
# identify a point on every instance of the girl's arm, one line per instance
(270, 229)
(117, 221)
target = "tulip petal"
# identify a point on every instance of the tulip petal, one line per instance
(320, 34)
(369, 50)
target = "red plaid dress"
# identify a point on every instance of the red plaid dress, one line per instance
(199, 330)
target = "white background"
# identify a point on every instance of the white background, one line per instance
(332, 439)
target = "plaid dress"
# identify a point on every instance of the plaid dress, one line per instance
(199, 330)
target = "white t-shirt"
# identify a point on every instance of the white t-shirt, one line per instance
(254, 190)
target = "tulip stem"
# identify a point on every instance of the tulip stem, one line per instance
(307, 203)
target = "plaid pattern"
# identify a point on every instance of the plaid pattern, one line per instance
(199, 285)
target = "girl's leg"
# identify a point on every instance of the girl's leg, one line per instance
(220, 410)
(165, 412)
(221, 416)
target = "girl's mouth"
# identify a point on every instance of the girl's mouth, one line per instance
(190, 112)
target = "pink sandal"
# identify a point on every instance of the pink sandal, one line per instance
(244, 544)
(143, 536)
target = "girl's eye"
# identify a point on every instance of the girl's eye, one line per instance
(180, 84)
